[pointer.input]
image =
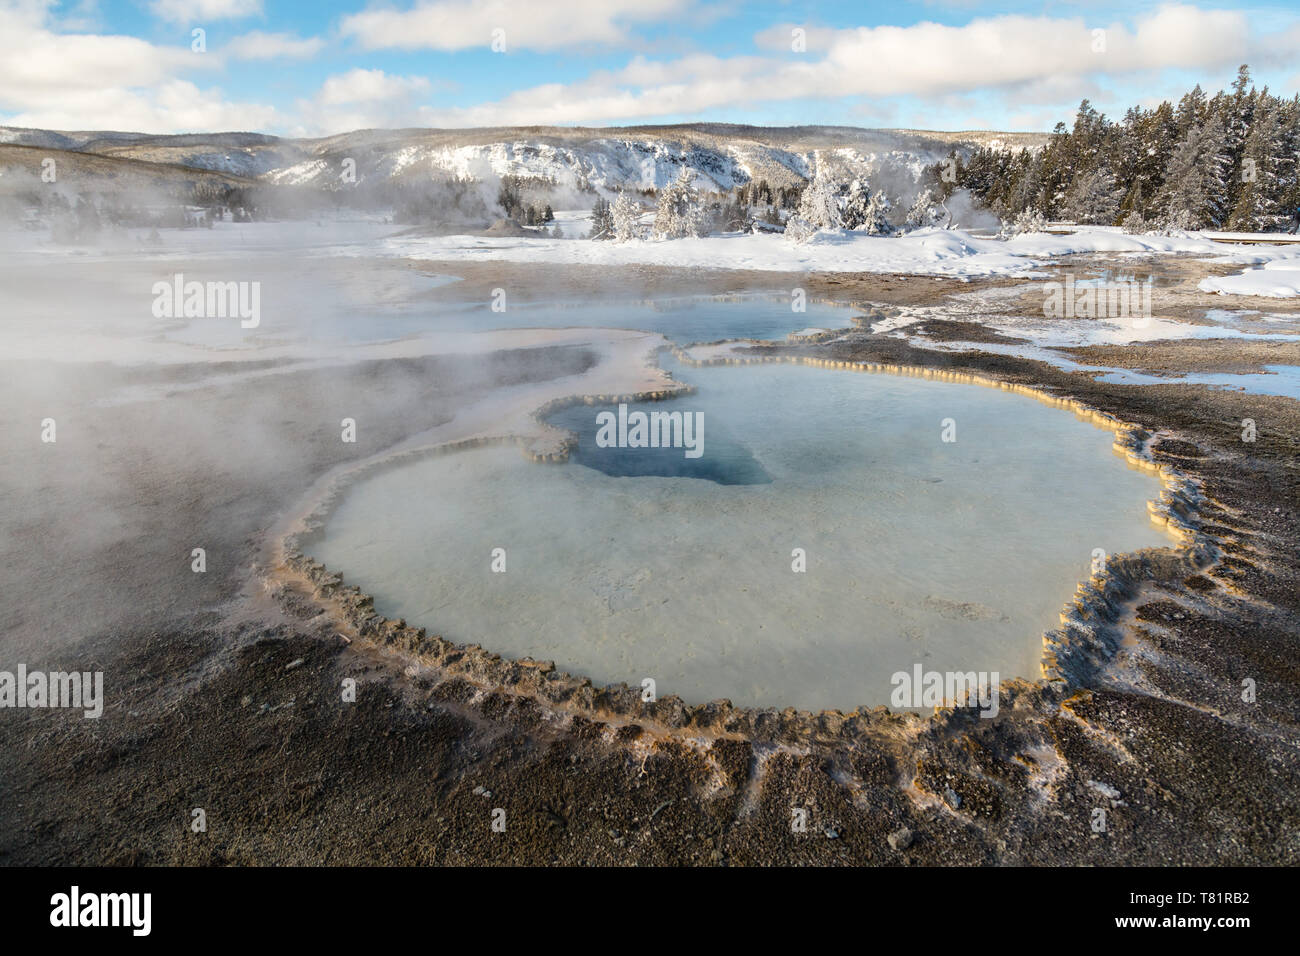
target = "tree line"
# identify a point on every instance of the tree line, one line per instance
(1228, 162)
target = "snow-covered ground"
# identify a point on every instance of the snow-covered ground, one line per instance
(925, 252)
(1271, 269)
(1279, 279)
(1122, 330)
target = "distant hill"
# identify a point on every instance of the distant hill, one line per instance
(23, 165)
(580, 160)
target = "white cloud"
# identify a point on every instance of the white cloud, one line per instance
(176, 106)
(369, 86)
(362, 99)
(1009, 53)
(35, 62)
(528, 24)
(779, 38)
(201, 11)
(1023, 67)
(88, 81)
(257, 45)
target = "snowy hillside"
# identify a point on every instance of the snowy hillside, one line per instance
(580, 160)
(608, 163)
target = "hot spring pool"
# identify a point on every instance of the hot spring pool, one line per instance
(684, 320)
(627, 564)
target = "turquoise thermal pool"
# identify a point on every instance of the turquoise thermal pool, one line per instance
(635, 563)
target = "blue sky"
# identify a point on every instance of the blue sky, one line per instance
(314, 68)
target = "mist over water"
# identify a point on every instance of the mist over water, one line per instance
(683, 320)
(953, 555)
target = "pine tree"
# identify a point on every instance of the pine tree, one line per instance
(1191, 111)
(1093, 198)
(1184, 199)
(678, 213)
(1238, 111)
(1214, 170)
(924, 211)
(819, 206)
(876, 220)
(1029, 220)
(1135, 224)
(625, 213)
(856, 206)
(799, 230)
(1288, 171)
(1262, 189)
(602, 220)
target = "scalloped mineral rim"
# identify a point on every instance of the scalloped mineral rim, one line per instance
(1085, 638)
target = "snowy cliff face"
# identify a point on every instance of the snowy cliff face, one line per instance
(606, 164)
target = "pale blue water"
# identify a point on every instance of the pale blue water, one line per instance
(1283, 380)
(344, 322)
(954, 555)
(684, 321)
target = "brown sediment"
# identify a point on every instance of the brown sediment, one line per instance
(1197, 355)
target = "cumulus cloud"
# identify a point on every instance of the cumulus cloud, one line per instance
(362, 99)
(88, 81)
(1031, 69)
(173, 107)
(1008, 53)
(368, 86)
(200, 11)
(527, 24)
(257, 45)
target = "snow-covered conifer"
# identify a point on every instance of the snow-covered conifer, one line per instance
(875, 220)
(925, 211)
(1030, 220)
(799, 230)
(625, 213)
(678, 212)
(819, 206)
(1093, 198)
(602, 220)
(856, 204)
